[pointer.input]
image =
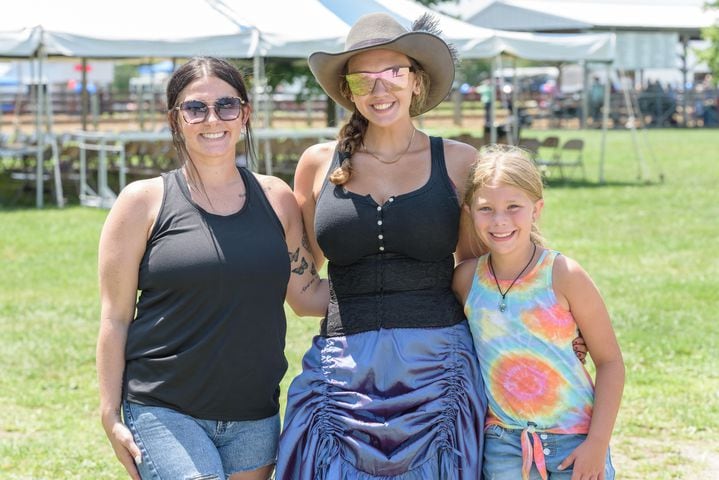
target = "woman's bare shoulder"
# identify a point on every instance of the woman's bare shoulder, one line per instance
(317, 155)
(136, 208)
(146, 192)
(272, 185)
(459, 158)
(457, 151)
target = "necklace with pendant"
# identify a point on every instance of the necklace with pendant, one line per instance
(397, 158)
(502, 303)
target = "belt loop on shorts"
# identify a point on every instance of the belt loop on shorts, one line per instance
(533, 450)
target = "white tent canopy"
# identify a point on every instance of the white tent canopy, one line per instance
(310, 25)
(598, 47)
(558, 15)
(288, 37)
(238, 29)
(243, 29)
(131, 28)
(647, 31)
(19, 43)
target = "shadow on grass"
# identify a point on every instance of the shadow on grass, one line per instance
(20, 195)
(580, 183)
(25, 200)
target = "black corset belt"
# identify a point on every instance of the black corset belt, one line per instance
(390, 291)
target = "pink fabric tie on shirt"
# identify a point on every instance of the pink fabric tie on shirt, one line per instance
(533, 450)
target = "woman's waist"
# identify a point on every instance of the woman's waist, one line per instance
(391, 273)
(428, 308)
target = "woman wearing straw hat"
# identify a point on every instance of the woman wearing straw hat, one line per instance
(391, 386)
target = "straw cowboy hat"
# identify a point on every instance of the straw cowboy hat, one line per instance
(381, 31)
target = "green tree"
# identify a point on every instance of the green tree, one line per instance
(472, 71)
(711, 54)
(123, 73)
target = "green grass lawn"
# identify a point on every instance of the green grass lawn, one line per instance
(650, 246)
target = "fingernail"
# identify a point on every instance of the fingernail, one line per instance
(138, 459)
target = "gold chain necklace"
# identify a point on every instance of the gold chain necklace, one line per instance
(502, 303)
(397, 158)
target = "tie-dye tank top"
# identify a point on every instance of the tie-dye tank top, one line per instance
(532, 375)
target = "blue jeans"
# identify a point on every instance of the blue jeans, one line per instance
(178, 446)
(503, 455)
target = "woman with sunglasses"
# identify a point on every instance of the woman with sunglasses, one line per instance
(391, 386)
(189, 371)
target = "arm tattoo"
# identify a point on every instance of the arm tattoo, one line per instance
(294, 256)
(305, 241)
(312, 280)
(301, 269)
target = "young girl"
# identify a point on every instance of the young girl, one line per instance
(525, 304)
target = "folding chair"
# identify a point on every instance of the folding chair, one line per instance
(530, 144)
(570, 155)
(547, 154)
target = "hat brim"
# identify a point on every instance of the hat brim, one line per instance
(430, 51)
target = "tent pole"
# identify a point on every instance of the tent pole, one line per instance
(633, 119)
(493, 101)
(605, 122)
(262, 104)
(49, 120)
(84, 97)
(17, 130)
(685, 72)
(585, 96)
(153, 110)
(39, 136)
(515, 103)
(503, 101)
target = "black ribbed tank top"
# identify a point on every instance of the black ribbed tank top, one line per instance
(209, 333)
(390, 265)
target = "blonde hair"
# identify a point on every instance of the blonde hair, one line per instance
(507, 165)
(351, 135)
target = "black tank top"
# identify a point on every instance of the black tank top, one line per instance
(209, 334)
(391, 265)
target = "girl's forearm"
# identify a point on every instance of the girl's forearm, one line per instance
(608, 395)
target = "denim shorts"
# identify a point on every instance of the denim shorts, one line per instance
(178, 446)
(503, 455)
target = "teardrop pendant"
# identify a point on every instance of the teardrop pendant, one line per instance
(502, 304)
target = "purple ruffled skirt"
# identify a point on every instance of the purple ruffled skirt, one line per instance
(404, 403)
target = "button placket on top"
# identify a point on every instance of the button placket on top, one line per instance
(381, 249)
(380, 230)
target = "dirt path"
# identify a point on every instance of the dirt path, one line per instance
(664, 458)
